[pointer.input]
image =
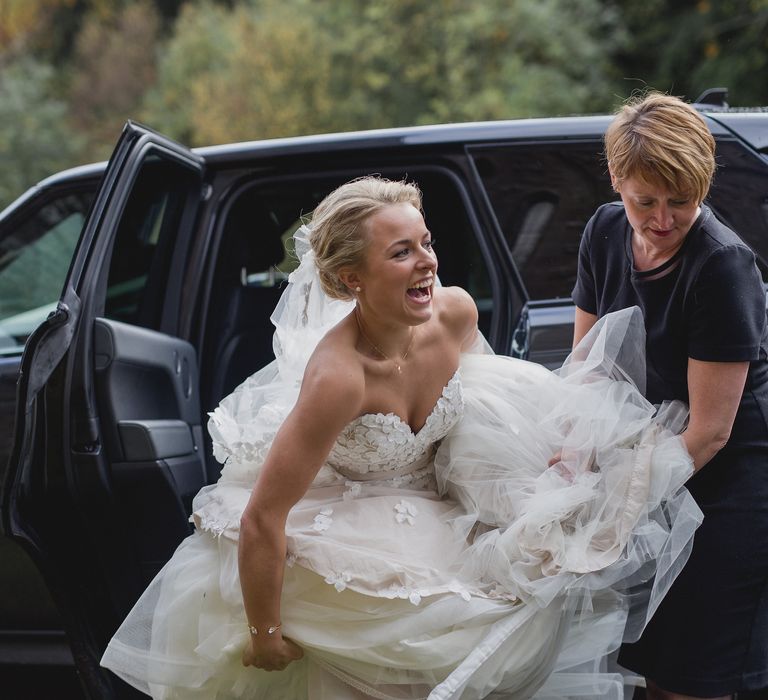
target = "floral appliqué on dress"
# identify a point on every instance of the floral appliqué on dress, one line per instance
(377, 443)
(406, 512)
(323, 520)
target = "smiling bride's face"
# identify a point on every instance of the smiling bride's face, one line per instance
(397, 276)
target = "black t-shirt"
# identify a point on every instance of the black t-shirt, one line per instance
(707, 302)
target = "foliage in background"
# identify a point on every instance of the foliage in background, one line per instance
(269, 68)
(23, 21)
(411, 62)
(199, 48)
(250, 72)
(686, 46)
(113, 63)
(49, 28)
(207, 71)
(34, 138)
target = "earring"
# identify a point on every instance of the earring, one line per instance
(358, 289)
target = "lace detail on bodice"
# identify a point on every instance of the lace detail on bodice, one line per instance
(383, 446)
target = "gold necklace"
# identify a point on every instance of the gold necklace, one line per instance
(378, 349)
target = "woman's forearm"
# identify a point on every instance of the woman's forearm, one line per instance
(703, 446)
(714, 393)
(261, 561)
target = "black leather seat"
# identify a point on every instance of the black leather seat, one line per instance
(246, 290)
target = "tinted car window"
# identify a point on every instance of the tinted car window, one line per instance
(277, 208)
(543, 195)
(34, 261)
(739, 196)
(143, 250)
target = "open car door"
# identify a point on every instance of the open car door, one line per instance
(108, 438)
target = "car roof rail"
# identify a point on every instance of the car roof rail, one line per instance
(713, 99)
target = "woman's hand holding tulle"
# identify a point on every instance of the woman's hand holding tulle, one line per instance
(556, 464)
(568, 464)
(274, 655)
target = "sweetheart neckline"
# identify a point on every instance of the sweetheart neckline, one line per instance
(399, 419)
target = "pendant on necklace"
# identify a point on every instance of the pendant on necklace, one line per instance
(399, 370)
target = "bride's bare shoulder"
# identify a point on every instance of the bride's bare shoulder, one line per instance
(335, 373)
(457, 311)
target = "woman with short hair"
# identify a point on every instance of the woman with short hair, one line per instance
(703, 301)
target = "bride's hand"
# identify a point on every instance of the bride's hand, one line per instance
(556, 464)
(570, 464)
(274, 656)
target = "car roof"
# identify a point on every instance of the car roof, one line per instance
(752, 126)
(563, 128)
(443, 134)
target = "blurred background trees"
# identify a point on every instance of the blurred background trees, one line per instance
(211, 71)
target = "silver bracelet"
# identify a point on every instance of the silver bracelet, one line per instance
(270, 630)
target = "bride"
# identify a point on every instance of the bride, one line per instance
(402, 516)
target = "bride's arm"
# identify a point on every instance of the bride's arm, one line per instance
(330, 397)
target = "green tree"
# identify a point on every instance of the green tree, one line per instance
(266, 68)
(114, 65)
(35, 139)
(24, 22)
(48, 29)
(245, 73)
(453, 60)
(686, 46)
(198, 51)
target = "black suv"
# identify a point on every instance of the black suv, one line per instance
(166, 264)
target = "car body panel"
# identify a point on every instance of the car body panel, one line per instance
(747, 125)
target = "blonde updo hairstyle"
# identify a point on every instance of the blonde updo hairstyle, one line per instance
(339, 229)
(664, 142)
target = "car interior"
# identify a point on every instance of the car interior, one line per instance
(256, 256)
(152, 398)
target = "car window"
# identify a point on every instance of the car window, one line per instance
(739, 197)
(34, 260)
(274, 210)
(143, 251)
(543, 194)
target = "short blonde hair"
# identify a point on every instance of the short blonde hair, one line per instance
(663, 141)
(339, 231)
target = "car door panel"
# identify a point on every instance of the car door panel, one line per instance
(146, 383)
(9, 375)
(106, 453)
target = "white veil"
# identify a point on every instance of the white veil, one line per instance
(245, 422)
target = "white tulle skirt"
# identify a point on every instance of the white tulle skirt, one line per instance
(509, 578)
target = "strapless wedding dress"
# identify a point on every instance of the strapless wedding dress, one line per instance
(446, 563)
